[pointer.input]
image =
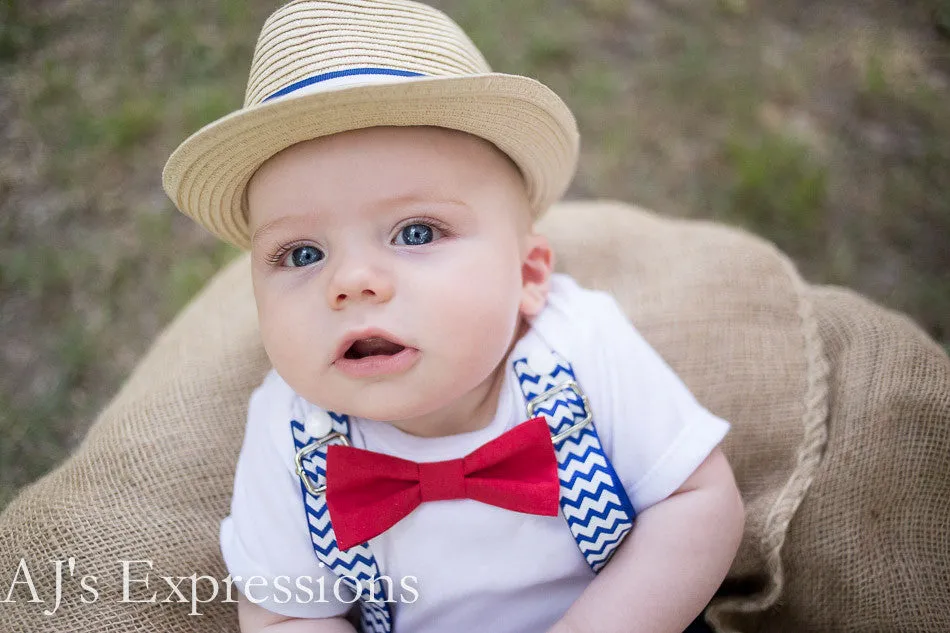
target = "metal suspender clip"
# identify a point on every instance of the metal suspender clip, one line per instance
(550, 393)
(310, 448)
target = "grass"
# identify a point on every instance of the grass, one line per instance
(39, 435)
(202, 105)
(188, 275)
(941, 16)
(19, 29)
(831, 139)
(134, 121)
(609, 9)
(776, 185)
(28, 271)
(33, 441)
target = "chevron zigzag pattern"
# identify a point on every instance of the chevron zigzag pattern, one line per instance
(357, 562)
(374, 618)
(593, 500)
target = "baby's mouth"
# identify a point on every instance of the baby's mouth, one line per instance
(373, 346)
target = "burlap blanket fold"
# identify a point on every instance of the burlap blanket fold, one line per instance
(840, 444)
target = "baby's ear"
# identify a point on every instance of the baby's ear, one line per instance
(536, 272)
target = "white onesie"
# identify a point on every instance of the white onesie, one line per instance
(472, 567)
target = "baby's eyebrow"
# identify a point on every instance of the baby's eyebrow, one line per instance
(398, 203)
(269, 227)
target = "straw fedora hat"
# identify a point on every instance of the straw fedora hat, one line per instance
(320, 68)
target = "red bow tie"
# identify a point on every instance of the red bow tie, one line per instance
(367, 492)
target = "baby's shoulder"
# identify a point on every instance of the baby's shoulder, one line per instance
(272, 406)
(591, 330)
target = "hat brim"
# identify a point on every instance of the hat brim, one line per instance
(206, 176)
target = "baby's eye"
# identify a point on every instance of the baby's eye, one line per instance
(303, 256)
(416, 234)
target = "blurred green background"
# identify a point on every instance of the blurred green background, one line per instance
(823, 126)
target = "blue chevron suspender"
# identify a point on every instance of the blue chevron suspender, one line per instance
(357, 562)
(593, 500)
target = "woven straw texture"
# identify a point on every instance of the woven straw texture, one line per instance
(852, 541)
(207, 175)
(357, 34)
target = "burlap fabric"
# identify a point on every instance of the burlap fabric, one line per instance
(840, 443)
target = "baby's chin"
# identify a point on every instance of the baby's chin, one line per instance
(372, 404)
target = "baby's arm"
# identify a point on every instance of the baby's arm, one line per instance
(671, 563)
(254, 618)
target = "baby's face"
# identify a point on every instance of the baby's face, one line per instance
(421, 233)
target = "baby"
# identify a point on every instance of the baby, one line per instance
(453, 436)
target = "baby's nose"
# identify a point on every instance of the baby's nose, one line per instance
(366, 293)
(361, 283)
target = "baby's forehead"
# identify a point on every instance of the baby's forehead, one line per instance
(409, 141)
(401, 165)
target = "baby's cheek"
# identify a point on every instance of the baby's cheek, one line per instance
(287, 340)
(276, 346)
(485, 317)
